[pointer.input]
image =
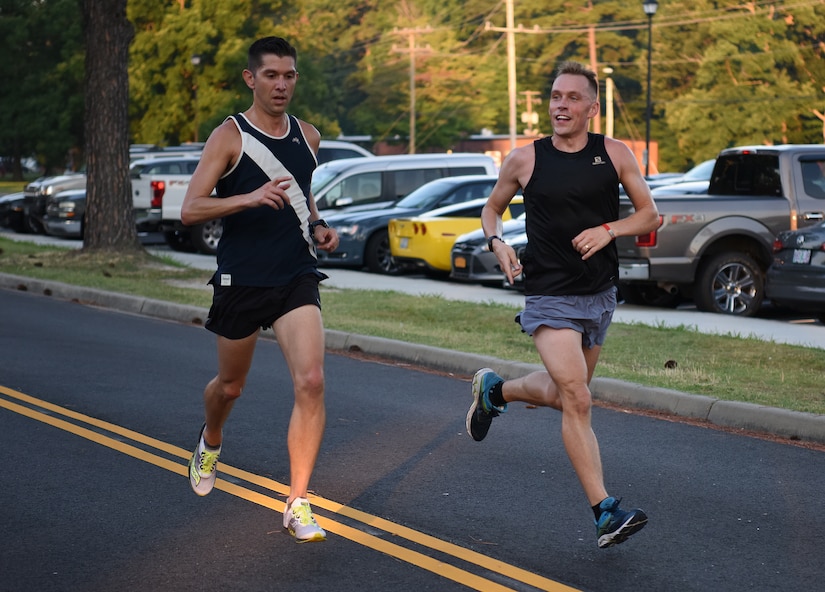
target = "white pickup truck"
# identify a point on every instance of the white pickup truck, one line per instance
(160, 183)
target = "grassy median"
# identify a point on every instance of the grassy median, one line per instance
(725, 367)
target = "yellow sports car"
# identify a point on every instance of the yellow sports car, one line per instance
(427, 240)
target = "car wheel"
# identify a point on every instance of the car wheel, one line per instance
(377, 254)
(18, 224)
(32, 225)
(649, 295)
(178, 241)
(730, 283)
(205, 237)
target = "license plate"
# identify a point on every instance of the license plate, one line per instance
(802, 256)
(460, 262)
(404, 243)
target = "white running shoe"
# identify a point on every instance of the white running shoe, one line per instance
(203, 467)
(300, 522)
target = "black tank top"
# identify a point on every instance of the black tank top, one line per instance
(264, 247)
(567, 193)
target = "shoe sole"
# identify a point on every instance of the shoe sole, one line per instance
(634, 524)
(476, 398)
(316, 538)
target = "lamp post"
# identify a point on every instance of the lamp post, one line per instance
(196, 61)
(649, 7)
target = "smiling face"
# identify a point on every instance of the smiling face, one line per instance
(572, 105)
(273, 83)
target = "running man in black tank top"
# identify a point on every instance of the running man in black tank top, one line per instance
(261, 162)
(570, 184)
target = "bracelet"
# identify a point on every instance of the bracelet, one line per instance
(609, 231)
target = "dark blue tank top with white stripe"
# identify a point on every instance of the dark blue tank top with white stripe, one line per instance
(264, 247)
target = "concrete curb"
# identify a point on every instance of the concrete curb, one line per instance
(731, 414)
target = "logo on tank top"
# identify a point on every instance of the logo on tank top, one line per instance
(597, 160)
(296, 140)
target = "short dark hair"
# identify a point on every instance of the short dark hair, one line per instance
(576, 68)
(269, 45)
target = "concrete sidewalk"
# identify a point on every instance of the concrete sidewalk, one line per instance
(779, 422)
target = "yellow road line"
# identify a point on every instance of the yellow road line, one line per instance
(376, 543)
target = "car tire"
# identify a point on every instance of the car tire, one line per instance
(730, 283)
(377, 254)
(178, 241)
(649, 295)
(205, 237)
(32, 225)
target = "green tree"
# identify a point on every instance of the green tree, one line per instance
(41, 99)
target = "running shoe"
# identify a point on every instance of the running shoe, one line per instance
(615, 525)
(300, 522)
(203, 467)
(482, 412)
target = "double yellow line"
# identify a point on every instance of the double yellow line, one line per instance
(51, 414)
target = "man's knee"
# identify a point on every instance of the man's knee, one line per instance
(310, 382)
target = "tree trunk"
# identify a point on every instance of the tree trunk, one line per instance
(110, 221)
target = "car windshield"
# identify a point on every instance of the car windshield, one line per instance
(701, 172)
(426, 195)
(322, 177)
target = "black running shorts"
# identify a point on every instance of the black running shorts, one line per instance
(239, 311)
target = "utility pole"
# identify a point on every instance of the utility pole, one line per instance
(412, 50)
(529, 116)
(511, 68)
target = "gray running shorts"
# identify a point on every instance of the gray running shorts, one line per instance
(589, 314)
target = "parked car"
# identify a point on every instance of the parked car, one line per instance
(367, 183)
(472, 261)
(796, 277)
(682, 188)
(337, 149)
(426, 241)
(38, 192)
(364, 240)
(11, 212)
(701, 172)
(66, 214)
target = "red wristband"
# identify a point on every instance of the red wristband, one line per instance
(609, 231)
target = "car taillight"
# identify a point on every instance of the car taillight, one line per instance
(419, 227)
(158, 189)
(650, 239)
(777, 245)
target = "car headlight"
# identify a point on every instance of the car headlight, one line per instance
(347, 230)
(66, 209)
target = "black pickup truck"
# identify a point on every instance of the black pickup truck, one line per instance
(714, 249)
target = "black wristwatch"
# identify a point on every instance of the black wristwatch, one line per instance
(314, 224)
(490, 241)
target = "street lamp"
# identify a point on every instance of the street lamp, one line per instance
(649, 7)
(196, 61)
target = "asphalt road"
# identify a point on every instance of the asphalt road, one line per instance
(99, 411)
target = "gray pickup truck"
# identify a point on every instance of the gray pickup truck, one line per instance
(714, 249)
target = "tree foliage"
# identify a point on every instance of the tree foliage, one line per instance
(724, 72)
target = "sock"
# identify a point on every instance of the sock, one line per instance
(597, 510)
(496, 396)
(208, 446)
